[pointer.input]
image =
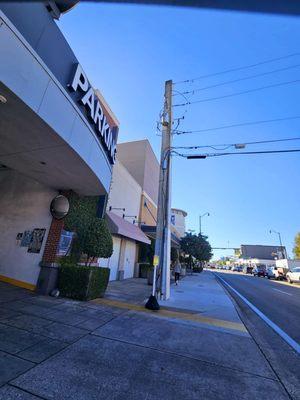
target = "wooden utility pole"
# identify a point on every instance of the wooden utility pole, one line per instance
(163, 232)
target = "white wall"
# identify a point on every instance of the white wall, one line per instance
(24, 205)
(113, 261)
(179, 222)
(125, 192)
(129, 259)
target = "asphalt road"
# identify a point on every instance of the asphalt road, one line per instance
(280, 303)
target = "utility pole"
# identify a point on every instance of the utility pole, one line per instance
(163, 232)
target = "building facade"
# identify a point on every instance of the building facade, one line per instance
(123, 209)
(178, 221)
(57, 135)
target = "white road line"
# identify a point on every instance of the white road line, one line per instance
(275, 327)
(281, 291)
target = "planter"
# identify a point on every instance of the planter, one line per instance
(83, 283)
(47, 280)
(150, 276)
(143, 270)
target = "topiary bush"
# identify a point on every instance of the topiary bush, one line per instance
(82, 283)
(93, 237)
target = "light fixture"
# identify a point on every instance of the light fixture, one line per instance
(3, 99)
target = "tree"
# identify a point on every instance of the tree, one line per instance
(174, 254)
(93, 236)
(296, 249)
(196, 246)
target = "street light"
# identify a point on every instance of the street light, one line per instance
(280, 241)
(200, 217)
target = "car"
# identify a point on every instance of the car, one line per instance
(247, 269)
(293, 276)
(259, 270)
(274, 272)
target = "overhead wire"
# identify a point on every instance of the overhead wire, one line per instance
(237, 93)
(229, 126)
(228, 145)
(226, 71)
(239, 80)
(195, 156)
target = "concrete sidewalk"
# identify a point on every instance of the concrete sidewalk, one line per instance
(202, 294)
(60, 349)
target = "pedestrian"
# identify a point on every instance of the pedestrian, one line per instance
(177, 270)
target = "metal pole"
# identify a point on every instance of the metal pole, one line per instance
(200, 230)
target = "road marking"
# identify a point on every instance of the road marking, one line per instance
(220, 323)
(281, 291)
(275, 327)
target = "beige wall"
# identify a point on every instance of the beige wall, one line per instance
(148, 214)
(125, 192)
(24, 205)
(141, 162)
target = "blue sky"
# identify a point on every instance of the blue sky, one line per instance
(129, 51)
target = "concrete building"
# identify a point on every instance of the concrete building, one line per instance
(178, 220)
(263, 252)
(139, 159)
(56, 135)
(123, 210)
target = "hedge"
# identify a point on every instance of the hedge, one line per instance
(83, 283)
(144, 268)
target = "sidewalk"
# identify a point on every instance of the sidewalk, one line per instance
(60, 349)
(200, 293)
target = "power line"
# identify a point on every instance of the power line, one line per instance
(239, 79)
(238, 68)
(201, 156)
(228, 145)
(238, 93)
(266, 121)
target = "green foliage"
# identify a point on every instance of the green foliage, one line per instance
(147, 252)
(83, 283)
(93, 236)
(174, 254)
(196, 246)
(296, 249)
(144, 268)
(67, 261)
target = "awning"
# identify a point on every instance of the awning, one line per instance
(150, 231)
(119, 226)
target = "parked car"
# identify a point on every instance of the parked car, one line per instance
(247, 269)
(294, 275)
(259, 270)
(274, 272)
(235, 268)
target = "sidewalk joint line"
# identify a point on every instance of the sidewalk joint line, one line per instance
(210, 363)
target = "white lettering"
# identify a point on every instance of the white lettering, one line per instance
(80, 80)
(95, 111)
(88, 100)
(98, 116)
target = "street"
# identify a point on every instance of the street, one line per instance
(279, 302)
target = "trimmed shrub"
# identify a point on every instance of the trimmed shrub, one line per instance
(144, 268)
(82, 283)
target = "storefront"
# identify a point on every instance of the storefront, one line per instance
(57, 135)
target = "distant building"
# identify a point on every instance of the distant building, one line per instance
(178, 220)
(263, 252)
(132, 208)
